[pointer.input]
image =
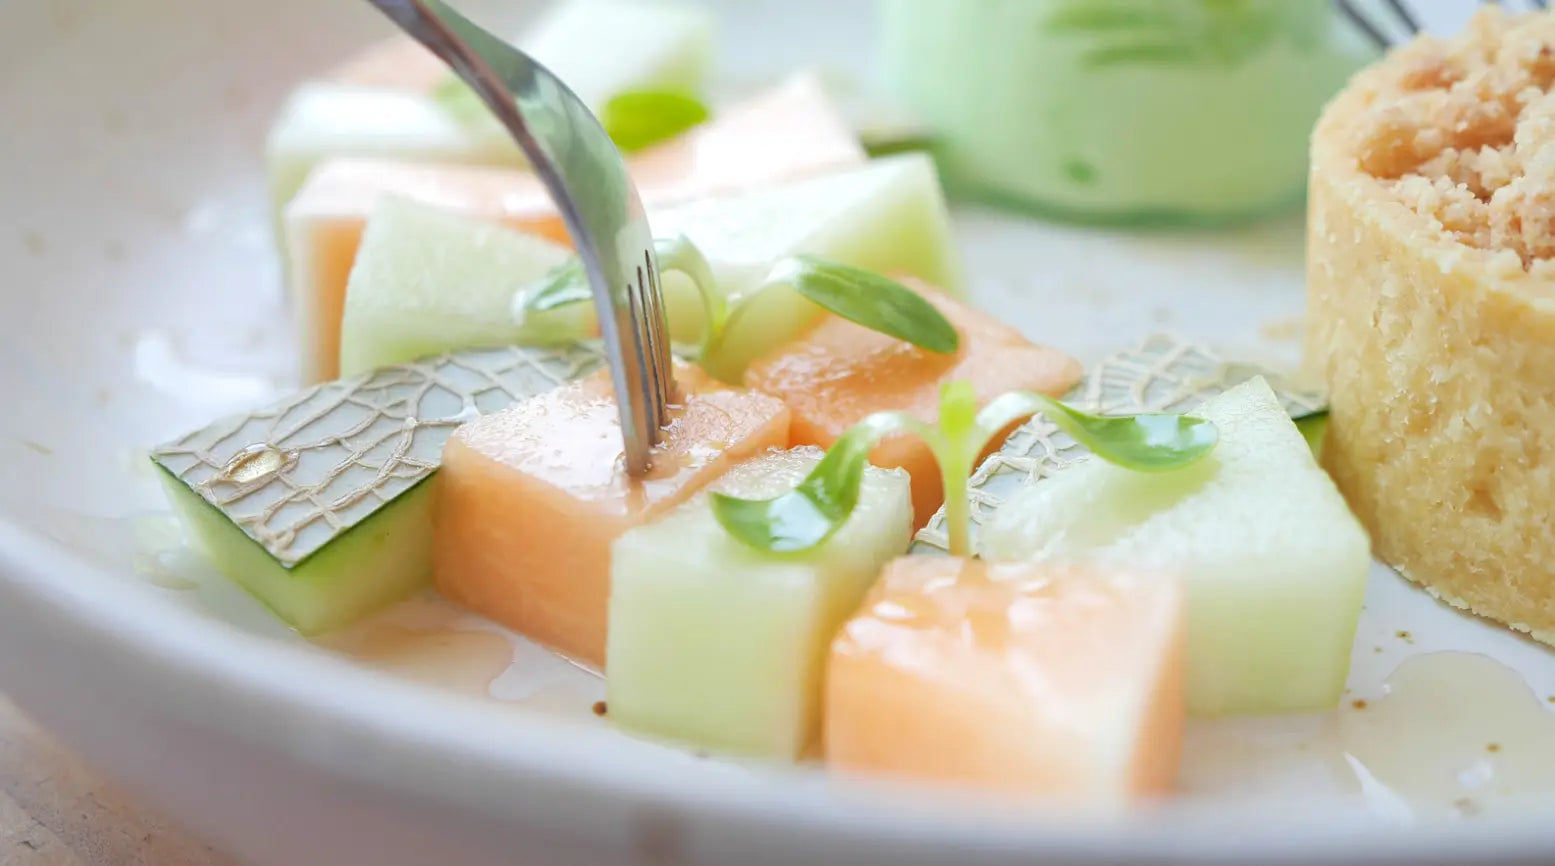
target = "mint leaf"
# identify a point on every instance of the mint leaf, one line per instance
(639, 118)
(869, 299)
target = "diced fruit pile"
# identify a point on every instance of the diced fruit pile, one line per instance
(751, 593)
(1274, 562)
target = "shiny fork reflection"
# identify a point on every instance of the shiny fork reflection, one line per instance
(586, 176)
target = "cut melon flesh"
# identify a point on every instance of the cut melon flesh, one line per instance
(1024, 678)
(721, 647)
(383, 103)
(531, 498)
(427, 282)
(888, 217)
(1274, 562)
(837, 373)
(791, 131)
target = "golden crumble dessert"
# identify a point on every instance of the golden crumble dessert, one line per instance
(1431, 283)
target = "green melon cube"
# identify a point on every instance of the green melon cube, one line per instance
(322, 120)
(1274, 563)
(426, 282)
(722, 647)
(888, 216)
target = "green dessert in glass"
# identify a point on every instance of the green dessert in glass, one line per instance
(1133, 111)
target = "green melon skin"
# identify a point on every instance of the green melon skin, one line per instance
(720, 647)
(1313, 428)
(427, 282)
(888, 216)
(385, 559)
(1274, 563)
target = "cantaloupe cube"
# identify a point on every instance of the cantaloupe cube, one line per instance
(791, 131)
(1274, 562)
(1023, 678)
(838, 373)
(719, 646)
(532, 497)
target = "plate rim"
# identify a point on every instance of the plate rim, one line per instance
(250, 685)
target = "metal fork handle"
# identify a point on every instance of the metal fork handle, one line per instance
(643, 381)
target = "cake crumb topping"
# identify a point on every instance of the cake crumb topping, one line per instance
(1463, 131)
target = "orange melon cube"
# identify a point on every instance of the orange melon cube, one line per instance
(1014, 677)
(789, 132)
(530, 499)
(839, 372)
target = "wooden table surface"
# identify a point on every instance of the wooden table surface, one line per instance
(56, 812)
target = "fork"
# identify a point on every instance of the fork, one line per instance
(586, 176)
(1394, 18)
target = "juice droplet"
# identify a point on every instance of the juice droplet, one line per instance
(455, 659)
(255, 463)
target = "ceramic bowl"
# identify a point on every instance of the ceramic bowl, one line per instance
(141, 298)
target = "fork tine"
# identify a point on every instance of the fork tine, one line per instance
(653, 370)
(658, 327)
(584, 173)
(1362, 23)
(646, 383)
(1404, 15)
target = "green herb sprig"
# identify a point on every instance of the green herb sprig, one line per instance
(863, 297)
(820, 504)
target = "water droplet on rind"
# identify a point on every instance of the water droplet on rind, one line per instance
(255, 463)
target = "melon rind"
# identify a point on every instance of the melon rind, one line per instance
(341, 524)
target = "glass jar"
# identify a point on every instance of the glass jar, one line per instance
(1121, 110)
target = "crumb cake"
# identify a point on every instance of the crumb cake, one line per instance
(1431, 281)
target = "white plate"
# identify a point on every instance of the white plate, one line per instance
(140, 299)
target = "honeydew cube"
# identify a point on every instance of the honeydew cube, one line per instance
(1274, 562)
(1025, 678)
(888, 217)
(427, 282)
(531, 498)
(837, 373)
(790, 131)
(722, 647)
